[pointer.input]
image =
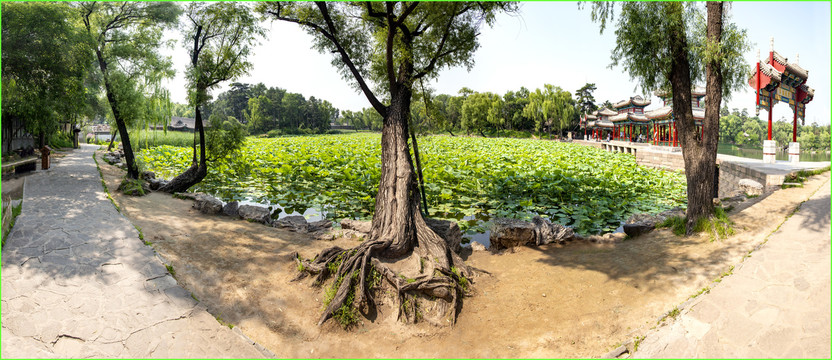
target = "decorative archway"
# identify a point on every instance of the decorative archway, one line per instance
(778, 80)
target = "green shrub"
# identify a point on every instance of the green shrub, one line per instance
(60, 139)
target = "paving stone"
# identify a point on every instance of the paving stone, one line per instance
(776, 304)
(75, 280)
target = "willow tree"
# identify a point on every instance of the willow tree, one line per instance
(125, 37)
(666, 45)
(551, 107)
(219, 37)
(385, 49)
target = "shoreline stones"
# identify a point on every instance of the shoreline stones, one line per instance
(231, 208)
(254, 213)
(207, 204)
(508, 233)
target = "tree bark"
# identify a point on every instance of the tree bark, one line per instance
(132, 170)
(198, 170)
(699, 154)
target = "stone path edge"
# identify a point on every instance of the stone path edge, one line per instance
(236, 329)
(631, 344)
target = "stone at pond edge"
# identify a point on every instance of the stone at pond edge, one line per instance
(254, 213)
(147, 175)
(508, 233)
(751, 187)
(475, 246)
(296, 223)
(547, 232)
(447, 230)
(155, 184)
(207, 204)
(318, 226)
(230, 208)
(357, 225)
(637, 229)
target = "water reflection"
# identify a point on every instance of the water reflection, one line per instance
(805, 155)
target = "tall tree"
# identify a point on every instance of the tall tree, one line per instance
(125, 37)
(584, 98)
(550, 108)
(666, 45)
(393, 45)
(219, 37)
(46, 69)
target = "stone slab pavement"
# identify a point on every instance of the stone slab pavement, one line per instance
(775, 305)
(78, 282)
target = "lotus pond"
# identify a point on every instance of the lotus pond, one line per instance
(470, 180)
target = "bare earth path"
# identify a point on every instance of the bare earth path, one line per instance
(78, 282)
(775, 305)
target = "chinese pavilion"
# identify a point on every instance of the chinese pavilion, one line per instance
(597, 124)
(630, 120)
(664, 123)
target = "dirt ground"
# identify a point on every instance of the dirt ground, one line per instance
(574, 300)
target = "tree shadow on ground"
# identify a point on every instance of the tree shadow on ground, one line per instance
(815, 214)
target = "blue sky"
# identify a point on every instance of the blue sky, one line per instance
(555, 43)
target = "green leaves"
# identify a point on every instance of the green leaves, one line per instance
(469, 180)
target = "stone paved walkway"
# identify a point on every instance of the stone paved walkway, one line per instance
(775, 305)
(78, 282)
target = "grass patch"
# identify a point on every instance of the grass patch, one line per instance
(9, 220)
(672, 314)
(637, 342)
(718, 226)
(802, 175)
(171, 270)
(675, 223)
(104, 184)
(221, 321)
(132, 187)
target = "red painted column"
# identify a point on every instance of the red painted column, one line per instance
(674, 130)
(794, 129)
(769, 118)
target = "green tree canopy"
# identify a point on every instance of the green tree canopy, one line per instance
(46, 67)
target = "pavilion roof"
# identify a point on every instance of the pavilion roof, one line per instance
(607, 112)
(629, 117)
(697, 91)
(591, 117)
(792, 67)
(659, 113)
(632, 101)
(667, 111)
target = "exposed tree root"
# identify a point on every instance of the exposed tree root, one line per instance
(434, 295)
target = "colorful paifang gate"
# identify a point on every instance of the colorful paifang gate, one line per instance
(778, 80)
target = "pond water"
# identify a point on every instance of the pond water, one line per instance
(753, 153)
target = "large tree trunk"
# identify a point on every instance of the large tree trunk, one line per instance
(398, 232)
(699, 154)
(132, 170)
(198, 170)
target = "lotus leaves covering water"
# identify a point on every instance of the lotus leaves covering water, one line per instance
(467, 179)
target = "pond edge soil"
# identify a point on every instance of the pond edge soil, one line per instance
(580, 299)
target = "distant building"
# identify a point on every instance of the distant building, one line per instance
(101, 132)
(185, 124)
